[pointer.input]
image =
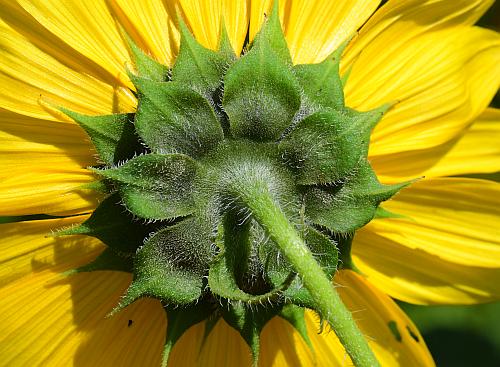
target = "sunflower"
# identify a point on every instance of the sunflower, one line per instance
(99, 188)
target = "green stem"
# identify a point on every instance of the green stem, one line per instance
(293, 247)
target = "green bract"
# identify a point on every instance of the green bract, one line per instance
(180, 171)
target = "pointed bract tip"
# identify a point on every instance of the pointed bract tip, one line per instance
(166, 353)
(382, 213)
(132, 75)
(120, 306)
(271, 36)
(184, 30)
(73, 230)
(69, 273)
(224, 45)
(389, 105)
(336, 55)
(97, 186)
(275, 10)
(130, 296)
(56, 110)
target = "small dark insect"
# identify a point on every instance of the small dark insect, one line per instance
(130, 322)
(413, 335)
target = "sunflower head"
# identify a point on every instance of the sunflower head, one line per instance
(210, 135)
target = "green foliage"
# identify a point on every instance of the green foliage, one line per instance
(345, 207)
(171, 265)
(225, 48)
(271, 35)
(223, 129)
(261, 95)
(382, 213)
(321, 82)
(198, 67)
(156, 186)
(324, 250)
(327, 146)
(172, 118)
(344, 243)
(228, 268)
(113, 136)
(395, 330)
(145, 65)
(295, 316)
(277, 269)
(114, 226)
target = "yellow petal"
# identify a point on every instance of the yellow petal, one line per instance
(204, 19)
(477, 151)
(55, 191)
(224, 347)
(441, 91)
(314, 29)
(56, 321)
(281, 345)
(41, 167)
(418, 277)
(455, 219)
(408, 165)
(70, 315)
(442, 75)
(26, 247)
(410, 18)
(19, 19)
(34, 143)
(28, 74)
(151, 25)
(259, 10)
(59, 321)
(87, 28)
(375, 314)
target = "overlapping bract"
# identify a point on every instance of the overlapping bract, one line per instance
(213, 124)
